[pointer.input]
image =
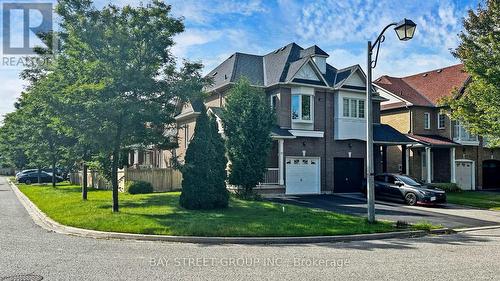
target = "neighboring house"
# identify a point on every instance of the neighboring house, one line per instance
(318, 141)
(445, 152)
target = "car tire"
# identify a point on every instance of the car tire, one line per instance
(411, 199)
(27, 181)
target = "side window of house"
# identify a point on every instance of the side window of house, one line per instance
(302, 107)
(353, 108)
(441, 120)
(427, 120)
(274, 102)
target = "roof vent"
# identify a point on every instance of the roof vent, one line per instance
(231, 56)
(424, 75)
(282, 48)
(225, 76)
(439, 71)
(215, 73)
(276, 51)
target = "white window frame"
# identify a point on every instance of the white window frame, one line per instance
(311, 108)
(427, 121)
(349, 111)
(438, 120)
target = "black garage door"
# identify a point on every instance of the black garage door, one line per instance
(348, 174)
(491, 174)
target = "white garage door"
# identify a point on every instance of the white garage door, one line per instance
(302, 175)
(464, 174)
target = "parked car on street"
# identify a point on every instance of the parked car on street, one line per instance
(25, 172)
(397, 187)
(32, 177)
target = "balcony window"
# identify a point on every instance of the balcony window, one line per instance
(302, 108)
(460, 134)
(353, 108)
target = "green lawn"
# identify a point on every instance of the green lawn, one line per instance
(485, 200)
(160, 213)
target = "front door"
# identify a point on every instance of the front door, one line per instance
(348, 175)
(491, 174)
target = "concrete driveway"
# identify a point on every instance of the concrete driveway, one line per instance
(452, 216)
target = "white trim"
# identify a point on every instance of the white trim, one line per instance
(306, 133)
(356, 68)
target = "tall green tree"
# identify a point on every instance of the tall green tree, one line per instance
(124, 82)
(248, 120)
(204, 170)
(478, 107)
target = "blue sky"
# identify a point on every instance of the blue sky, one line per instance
(216, 29)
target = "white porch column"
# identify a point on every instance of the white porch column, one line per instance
(136, 158)
(280, 161)
(453, 177)
(407, 161)
(428, 163)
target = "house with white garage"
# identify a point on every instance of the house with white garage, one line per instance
(445, 151)
(319, 139)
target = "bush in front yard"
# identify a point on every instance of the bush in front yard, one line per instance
(448, 186)
(139, 187)
(204, 171)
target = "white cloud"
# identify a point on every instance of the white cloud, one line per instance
(193, 37)
(12, 87)
(205, 12)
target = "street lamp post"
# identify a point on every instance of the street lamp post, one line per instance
(404, 30)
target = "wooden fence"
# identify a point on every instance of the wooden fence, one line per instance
(161, 179)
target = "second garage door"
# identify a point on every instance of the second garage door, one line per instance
(302, 175)
(348, 174)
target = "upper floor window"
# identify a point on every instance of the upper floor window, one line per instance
(274, 102)
(302, 108)
(460, 134)
(441, 120)
(427, 120)
(353, 108)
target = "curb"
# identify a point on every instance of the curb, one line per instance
(42, 220)
(458, 230)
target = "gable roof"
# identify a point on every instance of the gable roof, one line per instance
(426, 88)
(278, 66)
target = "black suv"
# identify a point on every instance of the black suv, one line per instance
(402, 187)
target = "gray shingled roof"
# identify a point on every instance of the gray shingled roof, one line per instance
(272, 68)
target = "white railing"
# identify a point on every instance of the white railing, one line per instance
(271, 176)
(461, 135)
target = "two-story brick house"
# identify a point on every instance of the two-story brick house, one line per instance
(445, 152)
(319, 139)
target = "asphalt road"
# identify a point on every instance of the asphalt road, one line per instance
(448, 215)
(27, 249)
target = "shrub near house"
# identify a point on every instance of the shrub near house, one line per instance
(204, 171)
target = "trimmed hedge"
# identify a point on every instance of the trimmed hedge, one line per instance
(447, 186)
(139, 187)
